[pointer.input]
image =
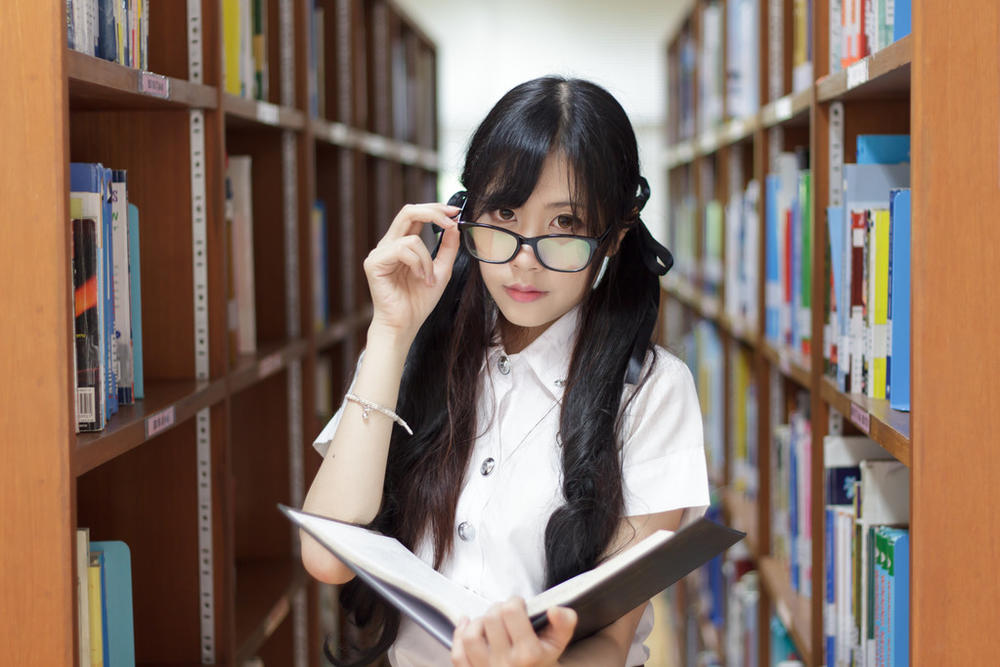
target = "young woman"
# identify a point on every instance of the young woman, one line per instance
(547, 433)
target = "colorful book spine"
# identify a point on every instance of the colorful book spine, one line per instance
(135, 301)
(89, 394)
(879, 331)
(899, 331)
(122, 288)
(118, 630)
(111, 378)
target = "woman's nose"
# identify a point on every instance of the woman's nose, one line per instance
(525, 259)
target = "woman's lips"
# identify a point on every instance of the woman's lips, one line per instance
(523, 293)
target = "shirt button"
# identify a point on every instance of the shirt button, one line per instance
(487, 466)
(504, 365)
(466, 531)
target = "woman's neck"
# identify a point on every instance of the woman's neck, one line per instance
(516, 338)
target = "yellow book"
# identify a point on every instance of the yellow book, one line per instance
(231, 59)
(96, 622)
(880, 330)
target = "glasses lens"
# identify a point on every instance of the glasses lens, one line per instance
(490, 245)
(564, 253)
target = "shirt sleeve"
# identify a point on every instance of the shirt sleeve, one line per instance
(663, 453)
(322, 442)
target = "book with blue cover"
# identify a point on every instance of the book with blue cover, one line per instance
(898, 366)
(883, 148)
(118, 629)
(135, 300)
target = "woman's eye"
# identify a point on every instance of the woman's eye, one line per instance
(505, 214)
(568, 223)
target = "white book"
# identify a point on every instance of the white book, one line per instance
(122, 290)
(241, 177)
(599, 596)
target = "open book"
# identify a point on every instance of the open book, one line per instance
(599, 596)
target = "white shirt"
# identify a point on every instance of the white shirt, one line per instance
(514, 480)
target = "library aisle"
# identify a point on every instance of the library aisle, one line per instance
(188, 186)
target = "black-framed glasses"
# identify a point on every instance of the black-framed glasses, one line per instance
(567, 253)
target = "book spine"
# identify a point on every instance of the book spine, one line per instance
(83, 595)
(881, 310)
(89, 382)
(95, 612)
(829, 593)
(121, 287)
(135, 302)
(111, 351)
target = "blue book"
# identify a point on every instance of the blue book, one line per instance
(793, 514)
(898, 369)
(883, 148)
(116, 581)
(834, 220)
(831, 588)
(772, 284)
(903, 19)
(135, 296)
(109, 294)
(898, 572)
(107, 37)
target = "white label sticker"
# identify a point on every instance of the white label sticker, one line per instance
(857, 74)
(267, 113)
(159, 422)
(155, 85)
(338, 133)
(860, 417)
(783, 108)
(409, 154)
(269, 365)
(737, 129)
(376, 145)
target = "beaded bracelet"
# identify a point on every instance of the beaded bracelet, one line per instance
(368, 406)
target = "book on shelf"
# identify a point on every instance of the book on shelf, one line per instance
(859, 28)
(113, 30)
(135, 301)
(742, 58)
(802, 66)
(898, 361)
(239, 172)
(320, 266)
(121, 288)
(892, 606)
(711, 66)
(116, 596)
(245, 58)
(83, 595)
(599, 596)
(88, 388)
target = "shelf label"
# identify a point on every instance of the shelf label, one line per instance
(376, 145)
(267, 113)
(737, 128)
(860, 417)
(269, 365)
(783, 108)
(155, 85)
(338, 133)
(708, 141)
(409, 154)
(429, 159)
(857, 74)
(159, 422)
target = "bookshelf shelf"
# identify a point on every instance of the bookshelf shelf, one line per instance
(100, 84)
(788, 364)
(375, 145)
(792, 109)
(270, 359)
(890, 428)
(681, 153)
(339, 331)
(264, 591)
(740, 329)
(167, 403)
(242, 111)
(882, 75)
(793, 609)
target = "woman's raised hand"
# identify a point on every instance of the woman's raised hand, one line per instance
(405, 283)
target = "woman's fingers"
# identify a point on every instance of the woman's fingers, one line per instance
(410, 251)
(412, 217)
(445, 259)
(496, 631)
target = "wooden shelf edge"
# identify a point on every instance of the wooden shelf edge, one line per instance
(345, 136)
(167, 405)
(269, 360)
(263, 113)
(784, 109)
(875, 418)
(123, 81)
(793, 609)
(869, 70)
(341, 329)
(275, 613)
(790, 367)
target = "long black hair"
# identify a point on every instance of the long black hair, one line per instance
(440, 384)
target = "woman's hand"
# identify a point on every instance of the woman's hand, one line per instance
(405, 283)
(504, 636)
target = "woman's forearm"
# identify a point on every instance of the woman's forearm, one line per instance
(348, 485)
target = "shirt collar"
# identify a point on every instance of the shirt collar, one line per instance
(548, 356)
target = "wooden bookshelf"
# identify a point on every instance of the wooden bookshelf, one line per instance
(189, 477)
(929, 85)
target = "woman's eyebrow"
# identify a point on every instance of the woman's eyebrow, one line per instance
(562, 204)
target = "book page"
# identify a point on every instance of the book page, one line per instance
(572, 588)
(387, 559)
